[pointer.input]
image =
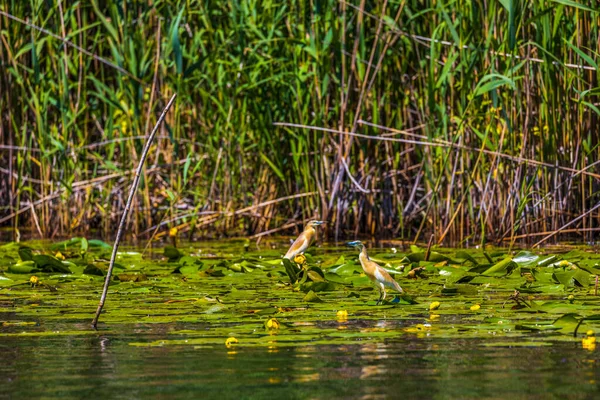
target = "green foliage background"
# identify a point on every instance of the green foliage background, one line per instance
(497, 103)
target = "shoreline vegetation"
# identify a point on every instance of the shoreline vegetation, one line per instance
(471, 123)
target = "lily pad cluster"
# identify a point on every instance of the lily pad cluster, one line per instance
(209, 292)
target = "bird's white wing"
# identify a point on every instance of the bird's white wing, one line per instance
(385, 278)
(379, 275)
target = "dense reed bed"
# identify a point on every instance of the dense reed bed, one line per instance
(468, 121)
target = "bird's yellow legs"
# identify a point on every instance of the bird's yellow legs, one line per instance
(382, 293)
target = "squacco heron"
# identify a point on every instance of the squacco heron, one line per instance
(304, 240)
(375, 272)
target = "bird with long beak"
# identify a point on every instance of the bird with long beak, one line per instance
(375, 272)
(304, 240)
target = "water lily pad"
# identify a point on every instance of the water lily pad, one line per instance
(501, 268)
(312, 297)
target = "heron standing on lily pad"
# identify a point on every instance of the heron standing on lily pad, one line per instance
(375, 272)
(303, 241)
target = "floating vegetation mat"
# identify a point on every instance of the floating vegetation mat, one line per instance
(224, 294)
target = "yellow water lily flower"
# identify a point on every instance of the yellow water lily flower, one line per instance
(34, 280)
(342, 315)
(589, 342)
(475, 307)
(435, 305)
(59, 255)
(300, 259)
(272, 324)
(231, 341)
(173, 232)
(564, 263)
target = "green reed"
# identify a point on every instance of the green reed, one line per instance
(505, 115)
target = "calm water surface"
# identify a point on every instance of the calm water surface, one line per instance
(105, 365)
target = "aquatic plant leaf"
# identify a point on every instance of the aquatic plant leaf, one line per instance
(567, 323)
(4, 281)
(50, 264)
(582, 277)
(23, 267)
(236, 267)
(172, 253)
(547, 261)
(501, 268)
(84, 246)
(212, 271)
(312, 297)
(404, 298)
(565, 278)
(452, 272)
(543, 276)
(526, 259)
(26, 253)
(433, 256)
(337, 279)
(291, 270)
(187, 269)
(189, 260)
(459, 289)
(346, 269)
(66, 244)
(132, 277)
(465, 256)
(479, 269)
(415, 249)
(315, 274)
(340, 261)
(318, 286)
(92, 269)
(96, 243)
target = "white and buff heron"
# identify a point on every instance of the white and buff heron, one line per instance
(375, 272)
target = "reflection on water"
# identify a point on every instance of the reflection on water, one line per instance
(107, 366)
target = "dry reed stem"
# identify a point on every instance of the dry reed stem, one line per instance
(567, 224)
(134, 185)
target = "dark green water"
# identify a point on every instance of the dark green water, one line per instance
(104, 365)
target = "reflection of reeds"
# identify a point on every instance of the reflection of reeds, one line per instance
(485, 117)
